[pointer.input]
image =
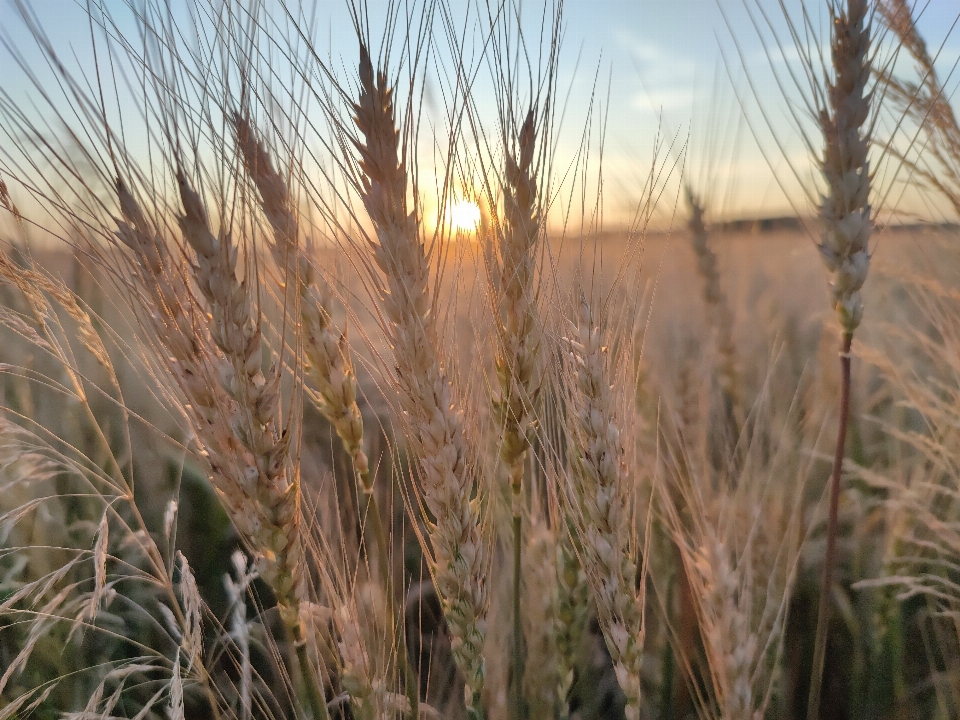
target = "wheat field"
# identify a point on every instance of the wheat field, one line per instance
(313, 407)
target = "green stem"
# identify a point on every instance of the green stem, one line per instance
(829, 560)
(318, 706)
(475, 708)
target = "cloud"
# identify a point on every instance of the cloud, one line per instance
(667, 80)
(656, 65)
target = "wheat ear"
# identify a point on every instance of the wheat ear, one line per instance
(573, 611)
(215, 357)
(844, 247)
(264, 446)
(426, 396)
(718, 308)
(517, 364)
(328, 356)
(596, 458)
(327, 352)
(517, 356)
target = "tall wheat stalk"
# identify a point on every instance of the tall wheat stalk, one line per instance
(844, 247)
(425, 393)
(234, 408)
(517, 361)
(718, 308)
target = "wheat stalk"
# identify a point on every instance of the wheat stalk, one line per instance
(517, 365)
(426, 396)
(233, 405)
(327, 352)
(844, 247)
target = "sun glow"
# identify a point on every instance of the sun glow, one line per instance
(463, 216)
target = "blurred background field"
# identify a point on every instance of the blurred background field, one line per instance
(886, 659)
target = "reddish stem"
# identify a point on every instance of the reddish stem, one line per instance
(829, 559)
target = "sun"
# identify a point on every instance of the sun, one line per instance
(464, 216)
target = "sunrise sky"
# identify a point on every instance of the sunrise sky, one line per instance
(673, 69)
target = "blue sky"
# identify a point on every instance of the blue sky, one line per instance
(668, 67)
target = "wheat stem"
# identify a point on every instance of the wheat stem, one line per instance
(311, 684)
(829, 559)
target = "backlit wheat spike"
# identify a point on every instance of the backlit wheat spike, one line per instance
(845, 209)
(517, 359)
(515, 293)
(718, 307)
(262, 506)
(327, 352)
(596, 458)
(426, 396)
(234, 404)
